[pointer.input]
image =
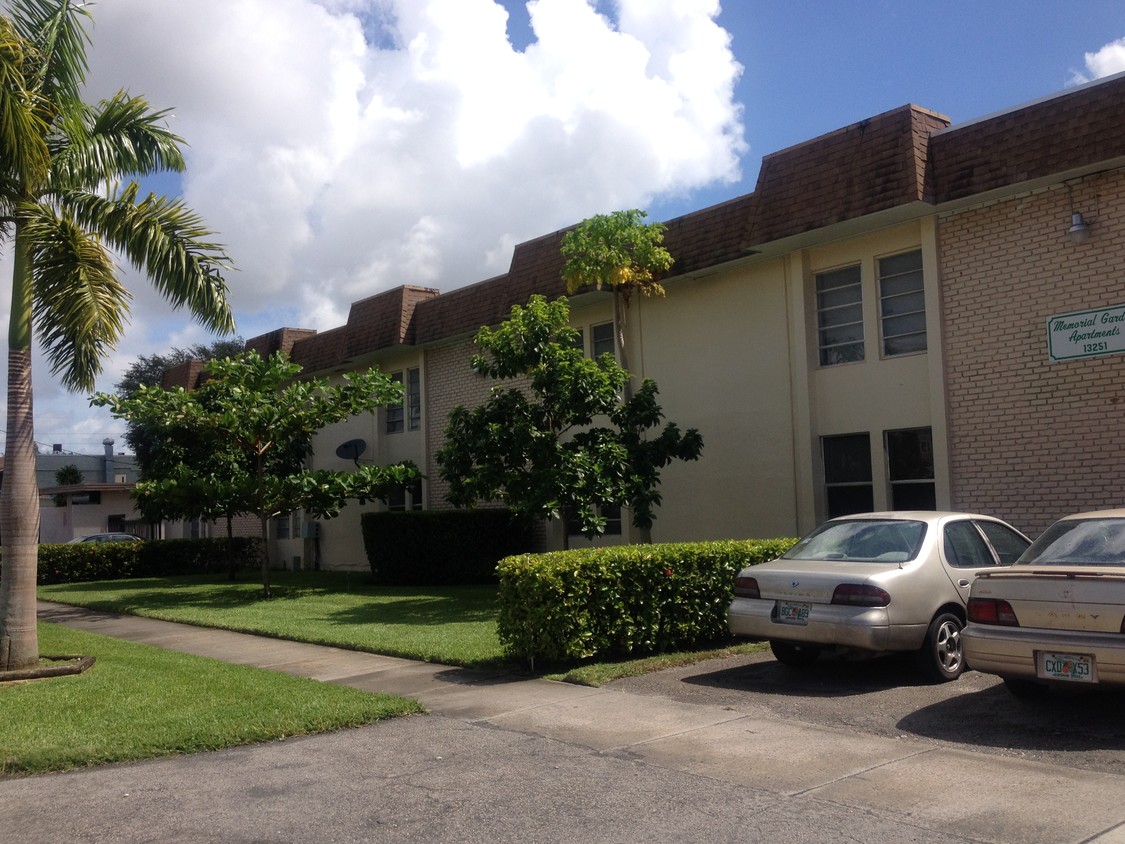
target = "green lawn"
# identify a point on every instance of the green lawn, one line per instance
(138, 701)
(454, 625)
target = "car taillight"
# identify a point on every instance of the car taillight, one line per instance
(860, 595)
(746, 587)
(992, 611)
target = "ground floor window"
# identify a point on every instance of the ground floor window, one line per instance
(847, 474)
(406, 497)
(910, 465)
(611, 514)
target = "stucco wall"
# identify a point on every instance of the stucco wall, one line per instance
(1033, 440)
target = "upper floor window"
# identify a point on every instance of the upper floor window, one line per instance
(413, 399)
(902, 304)
(601, 340)
(395, 413)
(839, 316)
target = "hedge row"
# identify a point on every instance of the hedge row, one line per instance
(82, 561)
(623, 601)
(441, 547)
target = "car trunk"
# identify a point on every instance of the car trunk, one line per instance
(1060, 599)
(807, 580)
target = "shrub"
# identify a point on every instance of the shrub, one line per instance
(623, 601)
(82, 561)
(440, 547)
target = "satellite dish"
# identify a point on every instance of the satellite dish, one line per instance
(351, 450)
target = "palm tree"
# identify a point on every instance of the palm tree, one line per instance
(66, 201)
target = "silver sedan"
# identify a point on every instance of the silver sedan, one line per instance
(872, 584)
(1057, 617)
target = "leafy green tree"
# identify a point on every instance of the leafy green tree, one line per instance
(150, 369)
(540, 448)
(238, 444)
(57, 155)
(621, 253)
(68, 475)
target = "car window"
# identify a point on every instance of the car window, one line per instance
(964, 546)
(1007, 543)
(1090, 542)
(862, 540)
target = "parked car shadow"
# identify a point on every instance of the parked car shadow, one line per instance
(827, 677)
(1063, 719)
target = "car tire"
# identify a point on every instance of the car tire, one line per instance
(794, 654)
(1024, 689)
(941, 658)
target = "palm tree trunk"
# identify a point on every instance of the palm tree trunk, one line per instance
(640, 536)
(19, 499)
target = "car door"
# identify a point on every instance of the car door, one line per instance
(965, 551)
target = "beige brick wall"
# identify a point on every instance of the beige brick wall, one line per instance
(1032, 440)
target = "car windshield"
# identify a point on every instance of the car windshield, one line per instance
(1079, 542)
(863, 541)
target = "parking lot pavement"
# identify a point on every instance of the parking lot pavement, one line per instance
(507, 759)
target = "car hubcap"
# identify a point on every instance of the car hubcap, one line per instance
(947, 646)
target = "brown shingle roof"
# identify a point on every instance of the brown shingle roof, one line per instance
(1075, 129)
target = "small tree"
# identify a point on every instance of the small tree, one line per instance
(68, 475)
(539, 449)
(238, 444)
(621, 253)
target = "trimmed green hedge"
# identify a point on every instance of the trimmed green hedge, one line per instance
(441, 547)
(622, 601)
(82, 561)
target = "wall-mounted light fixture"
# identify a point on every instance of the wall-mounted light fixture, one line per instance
(1079, 230)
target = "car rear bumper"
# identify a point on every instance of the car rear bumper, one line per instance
(1012, 651)
(860, 628)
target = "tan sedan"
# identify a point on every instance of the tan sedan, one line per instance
(872, 584)
(1057, 617)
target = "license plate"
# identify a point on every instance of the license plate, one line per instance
(792, 612)
(1074, 668)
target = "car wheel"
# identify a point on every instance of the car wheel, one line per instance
(794, 654)
(1026, 689)
(940, 657)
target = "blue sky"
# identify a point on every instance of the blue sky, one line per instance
(344, 147)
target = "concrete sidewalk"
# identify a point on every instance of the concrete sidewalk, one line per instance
(899, 784)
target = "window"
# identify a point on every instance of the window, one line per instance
(395, 411)
(965, 547)
(579, 340)
(910, 462)
(847, 474)
(281, 526)
(839, 315)
(414, 399)
(405, 498)
(902, 304)
(1007, 544)
(601, 340)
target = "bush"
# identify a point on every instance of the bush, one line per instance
(624, 601)
(441, 547)
(82, 561)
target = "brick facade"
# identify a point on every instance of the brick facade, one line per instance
(1032, 440)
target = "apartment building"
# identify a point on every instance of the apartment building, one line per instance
(904, 314)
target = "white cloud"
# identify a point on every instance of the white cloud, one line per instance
(1107, 61)
(344, 147)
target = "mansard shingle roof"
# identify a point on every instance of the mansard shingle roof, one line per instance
(901, 158)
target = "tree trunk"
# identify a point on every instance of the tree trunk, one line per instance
(620, 308)
(230, 547)
(19, 499)
(266, 591)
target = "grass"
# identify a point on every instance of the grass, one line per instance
(138, 701)
(454, 625)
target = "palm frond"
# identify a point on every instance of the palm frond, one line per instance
(79, 305)
(55, 28)
(24, 159)
(164, 239)
(120, 137)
